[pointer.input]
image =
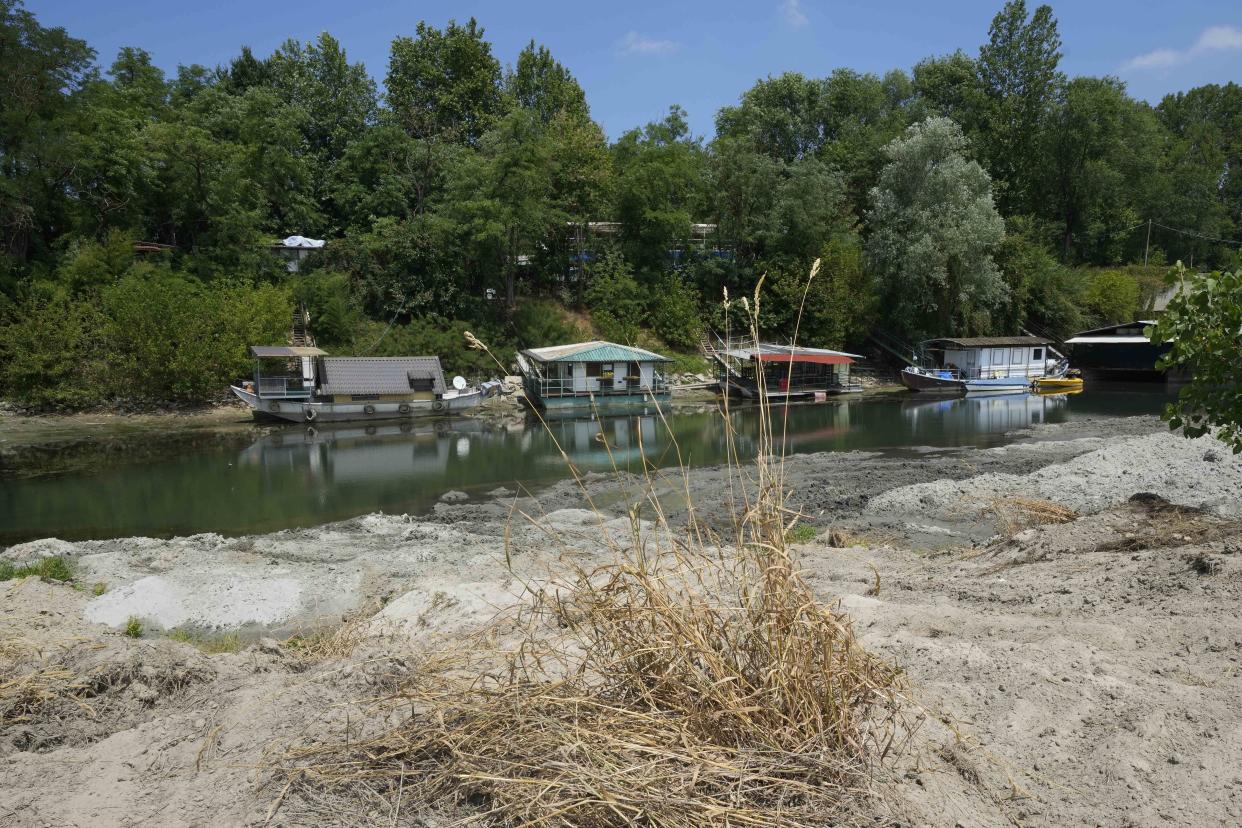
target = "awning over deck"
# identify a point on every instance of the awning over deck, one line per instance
(273, 351)
(765, 352)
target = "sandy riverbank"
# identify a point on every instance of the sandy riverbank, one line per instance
(1091, 667)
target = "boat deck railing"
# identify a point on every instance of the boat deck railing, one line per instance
(565, 388)
(284, 387)
(1028, 372)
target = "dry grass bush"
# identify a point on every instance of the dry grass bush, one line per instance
(695, 680)
(1015, 514)
(33, 684)
(329, 643)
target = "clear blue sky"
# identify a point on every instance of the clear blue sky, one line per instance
(636, 57)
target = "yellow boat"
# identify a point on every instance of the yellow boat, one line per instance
(1058, 385)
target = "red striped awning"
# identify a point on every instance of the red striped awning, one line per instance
(819, 359)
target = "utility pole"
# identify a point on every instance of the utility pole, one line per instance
(1147, 247)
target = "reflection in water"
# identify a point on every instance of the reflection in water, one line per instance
(303, 476)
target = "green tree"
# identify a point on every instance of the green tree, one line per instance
(444, 83)
(950, 86)
(502, 197)
(1202, 325)
(659, 188)
(837, 306)
(933, 230)
(1042, 294)
(540, 83)
(338, 97)
(1018, 69)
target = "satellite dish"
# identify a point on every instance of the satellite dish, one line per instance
(459, 383)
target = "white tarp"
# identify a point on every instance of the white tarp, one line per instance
(302, 242)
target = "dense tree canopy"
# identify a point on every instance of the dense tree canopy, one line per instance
(934, 228)
(980, 191)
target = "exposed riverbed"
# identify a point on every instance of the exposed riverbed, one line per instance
(92, 477)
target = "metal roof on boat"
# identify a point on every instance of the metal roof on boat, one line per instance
(379, 375)
(594, 351)
(991, 341)
(265, 351)
(767, 352)
(1115, 330)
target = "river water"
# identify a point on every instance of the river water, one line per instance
(180, 483)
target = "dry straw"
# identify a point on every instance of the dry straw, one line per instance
(690, 681)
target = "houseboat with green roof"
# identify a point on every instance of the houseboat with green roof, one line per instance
(593, 375)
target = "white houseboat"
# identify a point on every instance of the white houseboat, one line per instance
(304, 384)
(984, 364)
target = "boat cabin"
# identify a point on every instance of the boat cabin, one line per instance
(990, 357)
(302, 372)
(591, 374)
(787, 372)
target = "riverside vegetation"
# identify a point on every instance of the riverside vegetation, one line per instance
(442, 188)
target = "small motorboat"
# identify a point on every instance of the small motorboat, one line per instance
(1058, 385)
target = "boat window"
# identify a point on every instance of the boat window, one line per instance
(593, 369)
(421, 383)
(1037, 355)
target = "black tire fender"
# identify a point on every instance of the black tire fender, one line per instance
(368, 409)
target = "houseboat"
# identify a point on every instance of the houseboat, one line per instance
(983, 364)
(304, 384)
(592, 375)
(784, 372)
(1120, 352)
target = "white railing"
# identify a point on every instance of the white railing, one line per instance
(270, 387)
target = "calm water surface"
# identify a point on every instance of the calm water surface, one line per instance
(184, 483)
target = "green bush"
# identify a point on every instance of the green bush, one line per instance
(673, 312)
(615, 299)
(50, 354)
(1111, 296)
(152, 336)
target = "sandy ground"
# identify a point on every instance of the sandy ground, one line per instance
(1083, 673)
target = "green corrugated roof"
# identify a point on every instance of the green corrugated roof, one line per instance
(594, 352)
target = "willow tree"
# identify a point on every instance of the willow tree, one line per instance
(934, 227)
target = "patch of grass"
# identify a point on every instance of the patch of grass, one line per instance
(133, 627)
(99, 589)
(801, 533)
(53, 569)
(207, 642)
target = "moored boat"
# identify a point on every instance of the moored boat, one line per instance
(983, 364)
(592, 376)
(1058, 385)
(310, 386)
(932, 379)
